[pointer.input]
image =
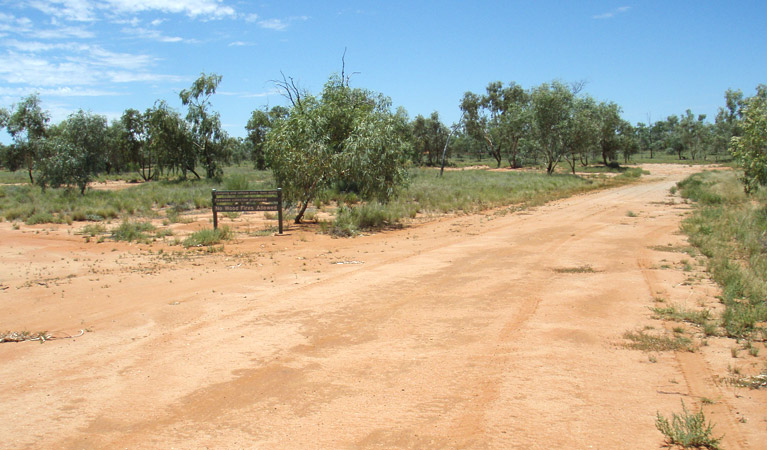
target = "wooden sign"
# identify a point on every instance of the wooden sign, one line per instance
(243, 201)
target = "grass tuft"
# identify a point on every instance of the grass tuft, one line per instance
(688, 430)
(131, 231)
(208, 237)
(641, 340)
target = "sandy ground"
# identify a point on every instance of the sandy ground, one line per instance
(493, 331)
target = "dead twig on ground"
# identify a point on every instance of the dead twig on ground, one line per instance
(42, 336)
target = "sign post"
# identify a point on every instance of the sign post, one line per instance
(243, 201)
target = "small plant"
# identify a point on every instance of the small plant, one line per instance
(641, 340)
(580, 269)
(132, 231)
(208, 237)
(688, 430)
(632, 214)
(734, 352)
(93, 230)
(681, 314)
(752, 382)
(709, 328)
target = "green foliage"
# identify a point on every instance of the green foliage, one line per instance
(429, 136)
(501, 119)
(27, 125)
(688, 430)
(258, 126)
(237, 182)
(208, 236)
(730, 231)
(551, 109)
(641, 340)
(682, 314)
(349, 221)
(21, 202)
(347, 138)
(67, 165)
(209, 137)
(132, 231)
(750, 149)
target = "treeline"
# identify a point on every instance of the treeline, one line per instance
(544, 126)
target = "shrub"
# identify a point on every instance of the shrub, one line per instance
(132, 231)
(208, 237)
(688, 430)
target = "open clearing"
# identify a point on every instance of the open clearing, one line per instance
(486, 331)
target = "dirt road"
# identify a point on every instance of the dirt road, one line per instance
(492, 331)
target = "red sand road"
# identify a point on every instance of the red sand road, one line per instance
(492, 331)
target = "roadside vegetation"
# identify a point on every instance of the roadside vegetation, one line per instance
(730, 229)
(688, 430)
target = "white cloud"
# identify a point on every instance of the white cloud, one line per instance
(154, 35)
(36, 71)
(613, 13)
(87, 10)
(251, 17)
(249, 94)
(279, 24)
(131, 77)
(73, 10)
(273, 24)
(65, 91)
(205, 9)
(62, 32)
(13, 24)
(67, 65)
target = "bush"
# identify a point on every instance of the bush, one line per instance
(208, 237)
(132, 231)
(688, 430)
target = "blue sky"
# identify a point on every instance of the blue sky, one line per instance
(653, 58)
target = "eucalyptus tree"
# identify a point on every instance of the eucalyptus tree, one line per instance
(64, 164)
(628, 141)
(88, 133)
(346, 137)
(259, 124)
(750, 149)
(691, 133)
(170, 140)
(552, 105)
(115, 159)
(429, 136)
(135, 142)
(501, 118)
(27, 124)
(209, 137)
(727, 123)
(610, 124)
(582, 131)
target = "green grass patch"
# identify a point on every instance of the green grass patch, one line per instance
(28, 203)
(730, 229)
(651, 342)
(131, 231)
(208, 237)
(467, 191)
(681, 314)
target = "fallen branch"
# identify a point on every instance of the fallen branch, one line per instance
(42, 336)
